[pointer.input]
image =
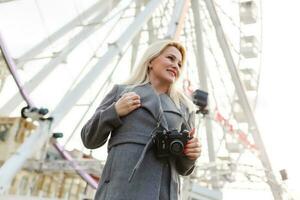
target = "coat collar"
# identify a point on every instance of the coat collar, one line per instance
(151, 102)
(168, 105)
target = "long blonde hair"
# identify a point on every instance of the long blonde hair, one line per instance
(140, 74)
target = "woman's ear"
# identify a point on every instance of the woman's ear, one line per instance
(150, 66)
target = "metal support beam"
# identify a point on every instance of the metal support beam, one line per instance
(274, 185)
(29, 86)
(11, 67)
(114, 50)
(34, 142)
(16, 162)
(95, 8)
(136, 40)
(177, 20)
(152, 36)
(91, 166)
(201, 63)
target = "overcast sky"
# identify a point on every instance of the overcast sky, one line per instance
(279, 101)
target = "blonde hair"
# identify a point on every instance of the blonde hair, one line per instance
(140, 74)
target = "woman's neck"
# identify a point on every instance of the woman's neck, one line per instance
(159, 86)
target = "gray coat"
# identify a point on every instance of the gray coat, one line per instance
(128, 137)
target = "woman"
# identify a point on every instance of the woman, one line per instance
(130, 114)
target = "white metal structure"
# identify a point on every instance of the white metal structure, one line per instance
(80, 59)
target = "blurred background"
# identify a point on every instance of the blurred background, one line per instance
(59, 58)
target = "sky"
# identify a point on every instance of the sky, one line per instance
(278, 98)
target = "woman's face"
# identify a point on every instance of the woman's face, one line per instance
(166, 67)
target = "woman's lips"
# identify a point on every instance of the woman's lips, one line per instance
(172, 72)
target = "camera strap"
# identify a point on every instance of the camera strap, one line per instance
(161, 118)
(149, 143)
(146, 148)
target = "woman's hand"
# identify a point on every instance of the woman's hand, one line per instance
(127, 103)
(193, 147)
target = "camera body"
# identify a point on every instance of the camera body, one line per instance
(200, 99)
(170, 142)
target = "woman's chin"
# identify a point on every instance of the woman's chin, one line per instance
(169, 80)
(172, 79)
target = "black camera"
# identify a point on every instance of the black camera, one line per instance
(200, 99)
(170, 143)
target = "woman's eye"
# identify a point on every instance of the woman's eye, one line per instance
(171, 58)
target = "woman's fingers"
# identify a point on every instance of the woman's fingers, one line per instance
(132, 102)
(193, 149)
(192, 132)
(131, 98)
(194, 142)
(131, 95)
(127, 103)
(135, 102)
(134, 105)
(193, 156)
(193, 145)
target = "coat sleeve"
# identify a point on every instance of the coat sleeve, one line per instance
(105, 119)
(184, 165)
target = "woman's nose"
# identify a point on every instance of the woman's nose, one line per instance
(175, 65)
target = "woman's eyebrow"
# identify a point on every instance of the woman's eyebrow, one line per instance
(174, 57)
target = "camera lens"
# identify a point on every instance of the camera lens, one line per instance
(176, 147)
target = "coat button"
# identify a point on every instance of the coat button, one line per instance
(106, 181)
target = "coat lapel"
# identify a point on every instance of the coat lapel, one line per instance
(168, 105)
(150, 101)
(153, 103)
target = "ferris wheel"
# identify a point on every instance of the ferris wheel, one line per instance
(223, 41)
